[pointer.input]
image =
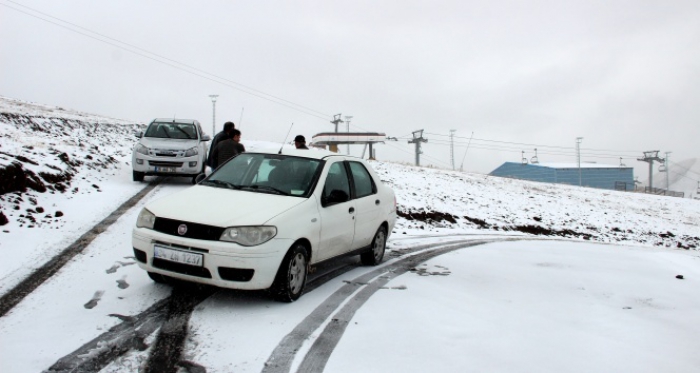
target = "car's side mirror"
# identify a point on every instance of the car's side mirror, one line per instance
(336, 196)
(139, 134)
(206, 138)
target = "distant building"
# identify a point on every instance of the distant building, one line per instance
(592, 174)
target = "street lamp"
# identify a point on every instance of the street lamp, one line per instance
(578, 152)
(213, 120)
(347, 124)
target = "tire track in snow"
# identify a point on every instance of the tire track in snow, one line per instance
(281, 359)
(118, 340)
(15, 295)
(165, 356)
(171, 316)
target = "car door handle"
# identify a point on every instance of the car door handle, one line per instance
(377, 202)
(351, 210)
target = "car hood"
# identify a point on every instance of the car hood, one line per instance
(171, 144)
(222, 207)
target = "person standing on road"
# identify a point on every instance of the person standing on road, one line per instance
(227, 149)
(221, 136)
(300, 142)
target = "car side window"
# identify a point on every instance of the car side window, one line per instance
(364, 185)
(337, 186)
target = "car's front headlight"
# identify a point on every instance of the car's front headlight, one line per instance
(146, 219)
(140, 148)
(191, 151)
(249, 236)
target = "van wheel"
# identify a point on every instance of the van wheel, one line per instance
(291, 276)
(376, 254)
(138, 176)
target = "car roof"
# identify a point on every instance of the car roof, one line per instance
(306, 153)
(174, 120)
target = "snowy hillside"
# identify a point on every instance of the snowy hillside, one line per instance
(49, 156)
(46, 150)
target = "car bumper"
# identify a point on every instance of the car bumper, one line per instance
(149, 165)
(224, 264)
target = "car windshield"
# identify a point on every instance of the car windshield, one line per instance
(172, 130)
(267, 173)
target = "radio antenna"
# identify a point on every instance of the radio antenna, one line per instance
(240, 121)
(285, 138)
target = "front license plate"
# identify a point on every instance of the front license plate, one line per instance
(165, 169)
(178, 256)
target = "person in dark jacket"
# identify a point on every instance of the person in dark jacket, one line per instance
(228, 149)
(223, 135)
(300, 142)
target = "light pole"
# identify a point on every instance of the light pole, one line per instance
(667, 170)
(213, 119)
(578, 152)
(347, 124)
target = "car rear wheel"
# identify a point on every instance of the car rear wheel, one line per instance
(376, 254)
(138, 176)
(291, 276)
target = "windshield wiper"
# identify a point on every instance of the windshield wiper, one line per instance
(187, 135)
(222, 183)
(267, 188)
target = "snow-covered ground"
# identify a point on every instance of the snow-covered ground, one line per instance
(591, 280)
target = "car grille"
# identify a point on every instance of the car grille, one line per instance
(165, 164)
(181, 268)
(194, 230)
(167, 153)
(236, 274)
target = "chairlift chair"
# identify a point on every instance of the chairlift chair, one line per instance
(523, 160)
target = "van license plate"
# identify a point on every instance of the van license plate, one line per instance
(165, 169)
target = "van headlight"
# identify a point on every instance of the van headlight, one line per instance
(249, 236)
(146, 219)
(140, 148)
(191, 151)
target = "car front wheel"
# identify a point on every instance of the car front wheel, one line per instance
(376, 254)
(291, 276)
(138, 176)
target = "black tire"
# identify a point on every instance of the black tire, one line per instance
(157, 277)
(376, 254)
(291, 276)
(138, 176)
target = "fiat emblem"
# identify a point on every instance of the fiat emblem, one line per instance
(182, 229)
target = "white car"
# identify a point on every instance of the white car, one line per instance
(263, 218)
(170, 147)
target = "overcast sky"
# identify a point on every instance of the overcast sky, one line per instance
(519, 75)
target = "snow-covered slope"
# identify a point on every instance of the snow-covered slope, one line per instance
(62, 171)
(441, 200)
(46, 150)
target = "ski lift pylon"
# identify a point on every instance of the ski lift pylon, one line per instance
(534, 159)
